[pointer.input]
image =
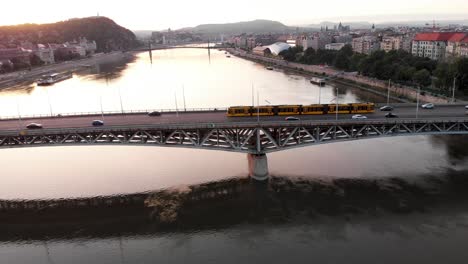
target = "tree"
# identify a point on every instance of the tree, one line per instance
(461, 69)
(35, 60)
(422, 77)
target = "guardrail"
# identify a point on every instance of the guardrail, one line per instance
(187, 110)
(231, 125)
(126, 112)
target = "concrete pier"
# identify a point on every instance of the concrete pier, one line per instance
(258, 166)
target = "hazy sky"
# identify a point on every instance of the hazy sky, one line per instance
(161, 14)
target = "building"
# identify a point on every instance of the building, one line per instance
(16, 55)
(463, 49)
(304, 41)
(261, 51)
(45, 53)
(434, 45)
(334, 46)
(365, 44)
(456, 46)
(319, 41)
(407, 42)
(343, 38)
(273, 49)
(390, 43)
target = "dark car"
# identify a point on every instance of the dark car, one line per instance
(34, 126)
(386, 108)
(391, 115)
(154, 113)
(98, 123)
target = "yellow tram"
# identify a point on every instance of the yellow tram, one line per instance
(316, 109)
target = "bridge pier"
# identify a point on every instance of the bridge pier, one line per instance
(258, 166)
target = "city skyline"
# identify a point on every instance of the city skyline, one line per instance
(144, 15)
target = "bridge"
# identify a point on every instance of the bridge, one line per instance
(212, 129)
(181, 46)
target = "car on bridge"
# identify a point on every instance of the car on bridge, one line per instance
(154, 113)
(386, 108)
(359, 117)
(428, 106)
(292, 118)
(391, 115)
(34, 126)
(98, 123)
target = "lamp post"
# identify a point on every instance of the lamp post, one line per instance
(336, 117)
(388, 92)
(48, 100)
(453, 89)
(102, 111)
(417, 101)
(175, 99)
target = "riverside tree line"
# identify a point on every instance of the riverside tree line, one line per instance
(398, 65)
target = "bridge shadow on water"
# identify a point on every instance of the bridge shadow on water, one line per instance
(387, 205)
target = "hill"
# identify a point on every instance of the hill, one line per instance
(255, 26)
(107, 34)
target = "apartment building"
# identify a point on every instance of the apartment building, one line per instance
(436, 44)
(365, 44)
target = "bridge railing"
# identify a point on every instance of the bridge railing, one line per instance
(125, 112)
(233, 125)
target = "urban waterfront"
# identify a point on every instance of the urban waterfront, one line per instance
(294, 230)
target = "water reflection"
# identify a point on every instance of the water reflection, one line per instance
(454, 145)
(109, 70)
(436, 201)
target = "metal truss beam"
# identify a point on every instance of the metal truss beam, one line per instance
(246, 138)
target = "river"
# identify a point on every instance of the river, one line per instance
(420, 216)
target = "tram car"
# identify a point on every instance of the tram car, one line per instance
(316, 109)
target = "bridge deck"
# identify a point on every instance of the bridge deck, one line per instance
(214, 130)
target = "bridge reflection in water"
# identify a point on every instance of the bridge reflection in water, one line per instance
(223, 204)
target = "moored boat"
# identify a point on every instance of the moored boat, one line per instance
(50, 79)
(316, 80)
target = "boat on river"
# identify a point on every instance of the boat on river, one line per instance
(319, 81)
(50, 79)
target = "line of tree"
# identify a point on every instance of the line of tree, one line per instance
(398, 65)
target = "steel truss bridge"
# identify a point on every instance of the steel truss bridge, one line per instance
(245, 137)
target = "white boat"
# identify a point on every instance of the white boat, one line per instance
(318, 81)
(269, 68)
(53, 78)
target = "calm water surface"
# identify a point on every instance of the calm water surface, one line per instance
(321, 205)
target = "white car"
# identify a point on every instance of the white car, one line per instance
(466, 106)
(359, 117)
(428, 106)
(292, 118)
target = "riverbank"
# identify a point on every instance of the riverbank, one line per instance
(26, 77)
(398, 92)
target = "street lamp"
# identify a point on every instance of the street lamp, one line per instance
(336, 110)
(417, 101)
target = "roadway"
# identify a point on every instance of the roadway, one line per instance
(186, 118)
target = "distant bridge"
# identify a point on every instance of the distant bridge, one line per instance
(162, 47)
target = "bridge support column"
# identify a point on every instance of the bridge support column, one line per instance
(258, 166)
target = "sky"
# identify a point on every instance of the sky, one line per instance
(163, 14)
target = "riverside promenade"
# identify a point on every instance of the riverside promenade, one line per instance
(341, 77)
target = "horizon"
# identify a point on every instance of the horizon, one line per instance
(147, 16)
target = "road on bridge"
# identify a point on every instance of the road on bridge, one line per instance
(403, 112)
